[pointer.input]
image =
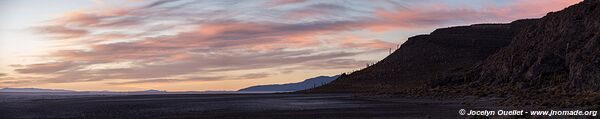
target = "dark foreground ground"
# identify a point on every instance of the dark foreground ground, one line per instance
(221, 106)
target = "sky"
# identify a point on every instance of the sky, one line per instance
(199, 45)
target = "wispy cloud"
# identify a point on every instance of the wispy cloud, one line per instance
(274, 3)
(61, 32)
(171, 80)
(179, 40)
(254, 75)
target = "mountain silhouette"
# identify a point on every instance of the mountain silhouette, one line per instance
(306, 84)
(562, 50)
(555, 58)
(541, 61)
(427, 57)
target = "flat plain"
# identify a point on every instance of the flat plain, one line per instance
(220, 106)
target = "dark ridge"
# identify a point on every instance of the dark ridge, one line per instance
(426, 57)
(561, 52)
(306, 84)
(555, 62)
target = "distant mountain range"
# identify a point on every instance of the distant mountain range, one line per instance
(40, 90)
(33, 90)
(306, 84)
(151, 91)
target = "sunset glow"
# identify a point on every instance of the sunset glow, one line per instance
(197, 45)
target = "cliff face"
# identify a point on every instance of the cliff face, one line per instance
(427, 57)
(561, 51)
(551, 61)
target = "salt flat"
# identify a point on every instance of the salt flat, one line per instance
(40, 105)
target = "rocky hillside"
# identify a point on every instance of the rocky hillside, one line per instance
(562, 51)
(426, 57)
(557, 58)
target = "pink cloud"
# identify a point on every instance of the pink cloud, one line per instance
(108, 17)
(528, 8)
(203, 42)
(360, 42)
(436, 15)
(81, 18)
(61, 32)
